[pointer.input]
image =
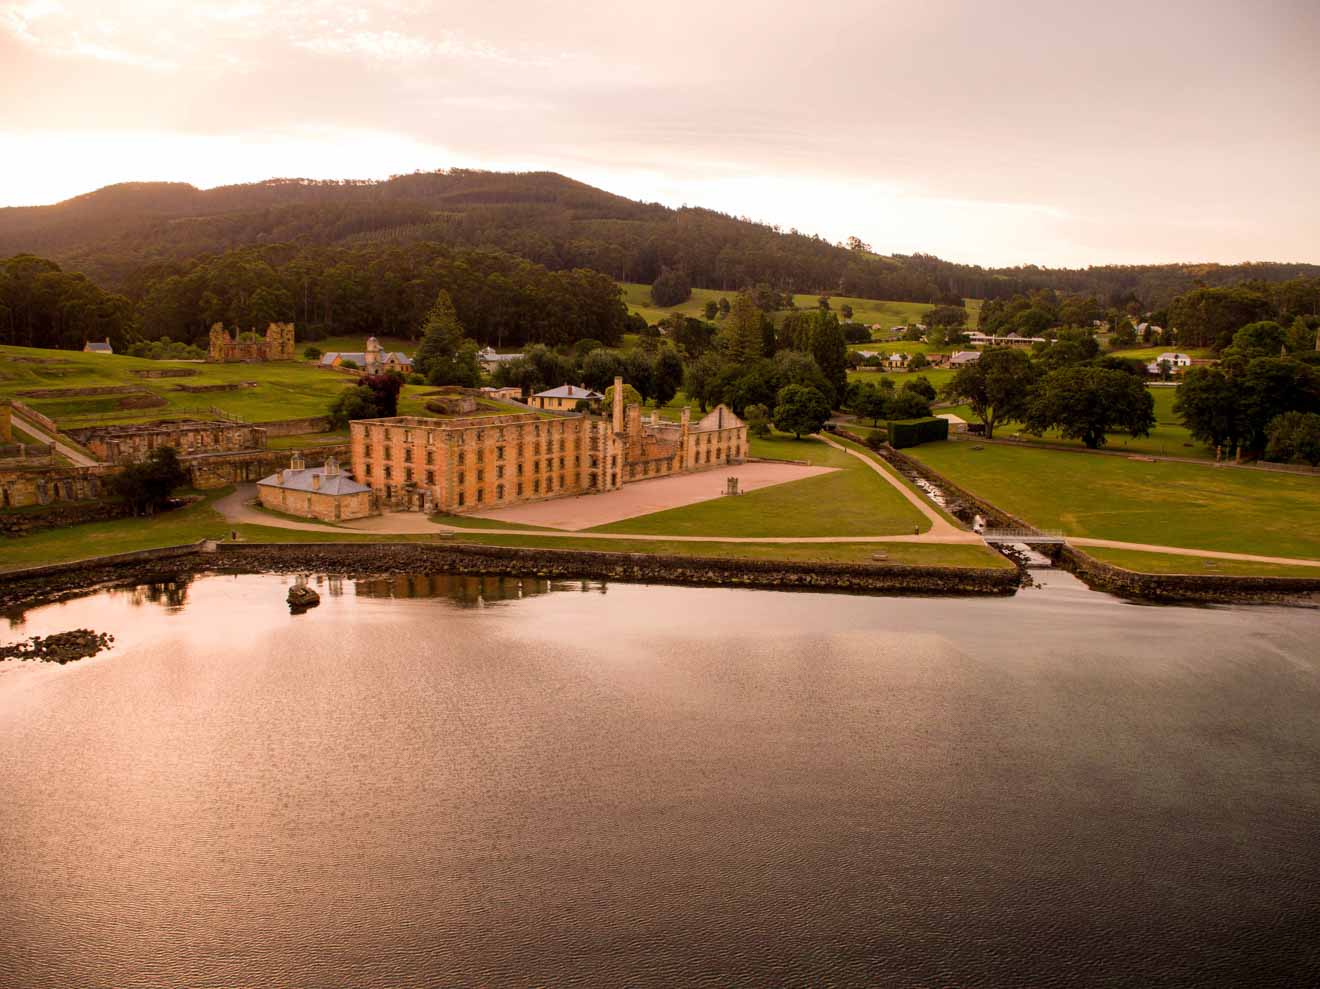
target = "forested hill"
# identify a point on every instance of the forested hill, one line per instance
(115, 233)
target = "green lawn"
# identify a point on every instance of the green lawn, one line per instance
(307, 441)
(916, 554)
(1150, 353)
(1172, 563)
(1166, 504)
(852, 501)
(1169, 438)
(938, 377)
(638, 299)
(284, 390)
(201, 521)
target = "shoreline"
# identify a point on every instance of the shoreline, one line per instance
(363, 560)
(61, 581)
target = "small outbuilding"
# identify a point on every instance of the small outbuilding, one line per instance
(324, 493)
(95, 347)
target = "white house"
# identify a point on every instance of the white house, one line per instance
(897, 360)
(964, 357)
(1175, 361)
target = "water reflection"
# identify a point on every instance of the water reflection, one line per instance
(170, 595)
(664, 786)
(470, 591)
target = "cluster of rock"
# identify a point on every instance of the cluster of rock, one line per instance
(62, 647)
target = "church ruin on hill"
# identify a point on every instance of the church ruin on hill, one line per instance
(472, 463)
(276, 346)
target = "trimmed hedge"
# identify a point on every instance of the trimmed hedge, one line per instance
(914, 432)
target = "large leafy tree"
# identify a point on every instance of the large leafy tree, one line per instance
(799, 409)
(1086, 403)
(702, 379)
(1208, 403)
(667, 375)
(998, 387)
(1294, 438)
(1208, 317)
(672, 287)
(1270, 387)
(147, 486)
(600, 368)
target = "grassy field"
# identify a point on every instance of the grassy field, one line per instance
(1160, 503)
(1150, 353)
(283, 390)
(638, 299)
(1172, 563)
(938, 377)
(852, 501)
(1169, 438)
(916, 554)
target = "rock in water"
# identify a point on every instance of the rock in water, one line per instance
(302, 596)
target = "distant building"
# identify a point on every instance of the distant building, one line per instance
(374, 359)
(276, 346)
(510, 394)
(1176, 362)
(564, 398)
(977, 339)
(897, 360)
(964, 357)
(92, 347)
(316, 493)
(491, 359)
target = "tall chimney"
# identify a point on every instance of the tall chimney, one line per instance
(316, 482)
(618, 404)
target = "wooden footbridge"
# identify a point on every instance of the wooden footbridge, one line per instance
(1052, 537)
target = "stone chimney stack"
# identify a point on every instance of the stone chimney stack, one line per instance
(331, 467)
(297, 462)
(316, 482)
(618, 404)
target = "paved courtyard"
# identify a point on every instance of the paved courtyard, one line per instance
(645, 497)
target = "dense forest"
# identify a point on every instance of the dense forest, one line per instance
(123, 236)
(501, 299)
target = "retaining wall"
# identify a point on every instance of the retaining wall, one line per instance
(296, 427)
(359, 560)
(1186, 587)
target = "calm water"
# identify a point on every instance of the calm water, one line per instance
(436, 781)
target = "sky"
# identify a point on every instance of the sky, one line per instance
(994, 132)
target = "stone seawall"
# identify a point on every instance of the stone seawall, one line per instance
(356, 559)
(360, 560)
(1186, 588)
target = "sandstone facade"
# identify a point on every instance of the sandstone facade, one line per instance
(317, 493)
(472, 463)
